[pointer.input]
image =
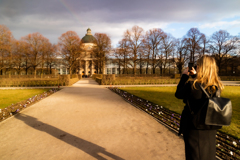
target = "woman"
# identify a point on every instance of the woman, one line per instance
(200, 139)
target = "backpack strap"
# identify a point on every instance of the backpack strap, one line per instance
(217, 91)
(204, 90)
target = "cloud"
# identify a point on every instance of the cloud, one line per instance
(54, 17)
(220, 24)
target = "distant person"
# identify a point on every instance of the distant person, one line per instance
(200, 141)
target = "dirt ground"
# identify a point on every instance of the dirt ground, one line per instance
(86, 122)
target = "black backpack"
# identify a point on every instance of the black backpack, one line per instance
(214, 113)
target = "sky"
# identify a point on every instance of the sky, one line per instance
(52, 18)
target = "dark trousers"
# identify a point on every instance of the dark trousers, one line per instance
(200, 144)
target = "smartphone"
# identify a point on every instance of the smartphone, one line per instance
(190, 65)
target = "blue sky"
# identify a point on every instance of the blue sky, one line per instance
(54, 17)
(232, 25)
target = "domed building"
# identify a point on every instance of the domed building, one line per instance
(87, 67)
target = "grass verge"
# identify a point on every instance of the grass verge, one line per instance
(8, 97)
(165, 96)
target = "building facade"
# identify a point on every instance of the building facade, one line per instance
(86, 62)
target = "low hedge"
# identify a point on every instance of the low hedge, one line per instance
(230, 78)
(28, 82)
(137, 81)
(62, 80)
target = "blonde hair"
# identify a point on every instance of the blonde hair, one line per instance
(207, 73)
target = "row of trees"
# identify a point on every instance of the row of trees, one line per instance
(34, 51)
(31, 51)
(155, 48)
(137, 50)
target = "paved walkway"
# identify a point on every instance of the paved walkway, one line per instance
(86, 122)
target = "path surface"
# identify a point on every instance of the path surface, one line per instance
(86, 122)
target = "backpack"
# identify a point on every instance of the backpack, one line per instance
(215, 112)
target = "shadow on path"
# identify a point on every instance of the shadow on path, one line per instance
(87, 147)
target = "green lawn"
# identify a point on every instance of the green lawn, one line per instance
(8, 97)
(165, 96)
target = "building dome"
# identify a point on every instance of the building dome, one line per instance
(88, 38)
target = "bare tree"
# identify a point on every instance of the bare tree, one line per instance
(18, 55)
(35, 49)
(69, 45)
(222, 45)
(134, 38)
(167, 50)
(147, 50)
(123, 50)
(122, 55)
(152, 44)
(5, 48)
(118, 58)
(141, 60)
(193, 41)
(26, 55)
(102, 50)
(205, 45)
(46, 49)
(181, 54)
(51, 57)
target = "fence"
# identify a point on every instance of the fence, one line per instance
(227, 146)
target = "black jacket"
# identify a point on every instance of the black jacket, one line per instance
(194, 100)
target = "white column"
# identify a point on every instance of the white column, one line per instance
(91, 68)
(85, 70)
(79, 72)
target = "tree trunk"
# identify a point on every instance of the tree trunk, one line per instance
(42, 70)
(134, 68)
(169, 67)
(147, 68)
(119, 67)
(70, 71)
(161, 70)
(147, 65)
(153, 69)
(26, 67)
(35, 72)
(47, 69)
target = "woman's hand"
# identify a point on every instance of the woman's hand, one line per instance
(193, 71)
(186, 71)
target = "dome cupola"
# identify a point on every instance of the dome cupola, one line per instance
(88, 38)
